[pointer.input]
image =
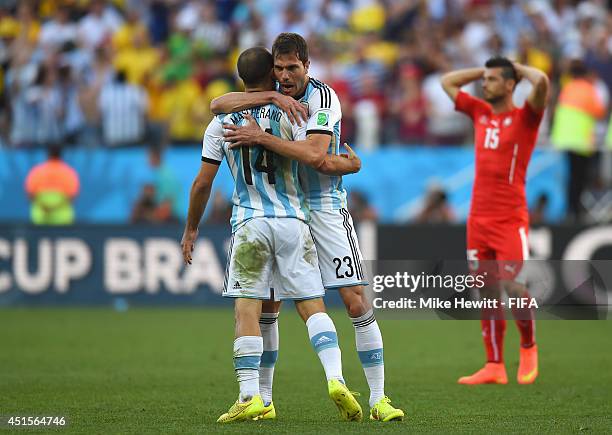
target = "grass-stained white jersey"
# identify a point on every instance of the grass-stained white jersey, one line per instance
(323, 192)
(266, 184)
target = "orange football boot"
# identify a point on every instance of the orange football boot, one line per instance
(491, 373)
(528, 365)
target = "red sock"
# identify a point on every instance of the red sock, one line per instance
(525, 322)
(493, 327)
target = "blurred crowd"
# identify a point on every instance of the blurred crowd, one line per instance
(101, 72)
(123, 72)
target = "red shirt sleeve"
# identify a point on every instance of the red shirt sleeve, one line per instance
(531, 116)
(467, 104)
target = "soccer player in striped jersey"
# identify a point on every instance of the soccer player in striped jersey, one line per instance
(269, 216)
(340, 259)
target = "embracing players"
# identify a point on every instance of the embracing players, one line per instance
(270, 242)
(498, 222)
(340, 259)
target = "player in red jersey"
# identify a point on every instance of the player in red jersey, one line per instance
(498, 222)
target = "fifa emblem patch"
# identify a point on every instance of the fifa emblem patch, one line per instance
(323, 119)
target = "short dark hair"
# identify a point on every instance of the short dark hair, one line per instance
(121, 76)
(508, 71)
(577, 68)
(255, 65)
(54, 151)
(290, 43)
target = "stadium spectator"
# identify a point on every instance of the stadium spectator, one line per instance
(183, 106)
(98, 26)
(168, 193)
(20, 76)
(123, 107)
(444, 124)
(98, 75)
(212, 33)
(71, 116)
(137, 57)
(537, 215)
(45, 104)
(578, 109)
(360, 208)
(221, 210)
(58, 31)
(29, 25)
(124, 36)
(52, 187)
(436, 209)
(409, 107)
(144, 210)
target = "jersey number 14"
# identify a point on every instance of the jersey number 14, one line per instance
(264, 163)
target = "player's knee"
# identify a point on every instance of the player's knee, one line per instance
(308, 307)
(355, 301)
(270, 307)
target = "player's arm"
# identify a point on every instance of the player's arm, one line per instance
(538, 97)
(343, 164)
(198, 198)
(212, 155)
(453, 81)
(310, 151)
(239, 101)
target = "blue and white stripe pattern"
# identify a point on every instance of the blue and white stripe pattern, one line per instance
(323, 192)
(247, 362)
(266, 184)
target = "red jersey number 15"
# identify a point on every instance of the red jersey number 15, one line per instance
(491, 138)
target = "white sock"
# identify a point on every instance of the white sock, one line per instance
(324, 340)
(247, 356)
(368, 340)
(268, 323)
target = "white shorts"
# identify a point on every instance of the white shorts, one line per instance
(273, 252)
(340, 259)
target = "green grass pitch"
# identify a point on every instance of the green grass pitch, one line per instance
(170, 370)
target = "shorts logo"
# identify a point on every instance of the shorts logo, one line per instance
(323, 119)
(237, 286)
(510, 268)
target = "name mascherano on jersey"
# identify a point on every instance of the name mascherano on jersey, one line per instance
(265, 184)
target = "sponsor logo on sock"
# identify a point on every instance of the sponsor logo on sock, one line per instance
(376, 356)
(323, 339)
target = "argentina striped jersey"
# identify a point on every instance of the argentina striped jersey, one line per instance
(323, 192)
(266, 184)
